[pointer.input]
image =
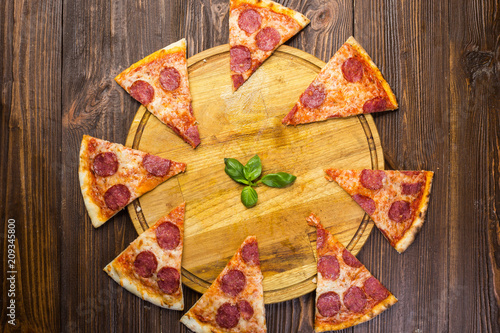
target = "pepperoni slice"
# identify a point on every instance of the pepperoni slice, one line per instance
(355, 299)
(400, 211)
(375, 289)
(168, 279)
(249, 21)
(193, 135)
(329, 267)
(168, 235)
(321, 235)
(238, 80)
(352, 69)
(372, 179)
(240, 59)
(233, 282)
(366, 203)
(156, 165)
(376, 104)
(145, 264)
(117, 197)
(410, 173)
(142, 91)
(351, 260)
(313, 97)
(227, 315)
(267, 39)
(170, 78)
(250, 253)
(105, 164)
(246, 309)
(328, 304)
(410, 188)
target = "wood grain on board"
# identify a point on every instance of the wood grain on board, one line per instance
(240, 125)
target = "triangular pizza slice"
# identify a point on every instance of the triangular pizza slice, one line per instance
(349, 84)
(150, 267)
(396, 201)
(112, 176)
(256, 29)
(160, 83)
(235, 300)
(347, 294)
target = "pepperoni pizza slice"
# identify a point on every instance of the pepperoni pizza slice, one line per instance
(112, 176)
(347, 294)
(150, 267)
(160, 83)
(396, 201)
(256, 29)
(349, 84)
(235, 300)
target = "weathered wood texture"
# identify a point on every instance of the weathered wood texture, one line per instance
(58, 62)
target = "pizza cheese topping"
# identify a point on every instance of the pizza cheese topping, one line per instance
(395, 200)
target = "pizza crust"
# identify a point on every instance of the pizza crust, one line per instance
(194, 325)
(417, 224)
(351, 41)
(275, 7)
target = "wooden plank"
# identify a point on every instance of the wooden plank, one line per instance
(474, 104)
(30, 140)
(408, 41)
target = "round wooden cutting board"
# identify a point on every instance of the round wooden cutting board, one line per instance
(240, 125)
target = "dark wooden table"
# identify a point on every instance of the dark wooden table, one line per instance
(59, 58)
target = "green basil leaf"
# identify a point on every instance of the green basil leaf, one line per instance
(253, 168)
(234, 169)
(249, 196)
(279, 180)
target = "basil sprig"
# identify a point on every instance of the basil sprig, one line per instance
(248, 174)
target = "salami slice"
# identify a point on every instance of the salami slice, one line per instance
(145, 264)
(249, 20)
(142, 91)
(168, 236)
(168, 279)
(267, 39)
(170, 78)
(355, 299)
(372, 179)
(400, 211)
(329, 267)
(156, 165)
(376, 104)
(410, 188)
(351, 260)
(314, 96)
(227, 315)
(117, 197)
(233, 282)
(250, 253)
(238, 80)
(375, 289)
(328, 304)
(193, 135)
(366, 203)
(105, 164)
(240, 59)
(246, 309)
(321, 238)
(352, 69)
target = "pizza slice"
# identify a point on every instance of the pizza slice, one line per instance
(347, 294)
(235, 300)
(256, 29)
(348, 85)
(160, 83)
(150, 267)
(112, 176)
(396, 201)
